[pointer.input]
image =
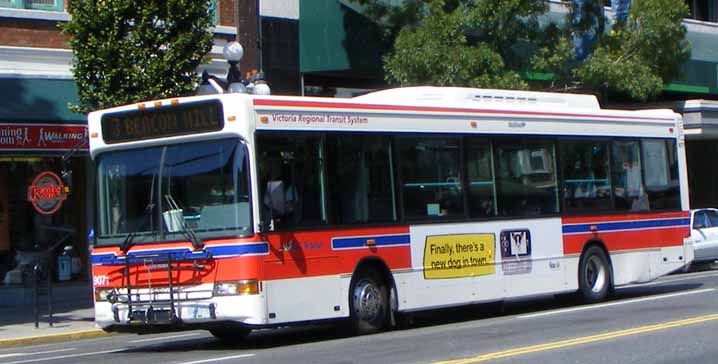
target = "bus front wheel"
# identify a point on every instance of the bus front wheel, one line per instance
(369, 303)
(594, 275)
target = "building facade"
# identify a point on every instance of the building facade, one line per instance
(46, 175)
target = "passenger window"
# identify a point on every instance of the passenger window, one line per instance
(628, 189)
(526, 177)
(585, 183)
(479, 167)
(431, 182)
(699, 220)
(361, 179)
(712, 217)
(661, 173)
(291, 180)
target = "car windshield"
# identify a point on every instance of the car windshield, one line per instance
(158, 193)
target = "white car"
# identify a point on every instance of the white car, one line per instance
(704, 233)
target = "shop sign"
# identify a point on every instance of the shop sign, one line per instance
(42, 137)
(47, 193)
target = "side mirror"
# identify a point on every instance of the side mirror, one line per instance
(262, 227)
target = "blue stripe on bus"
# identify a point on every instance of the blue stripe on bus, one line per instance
(360, 242)
(625, 225)
(183, 253)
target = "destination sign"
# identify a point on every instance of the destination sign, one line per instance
(196, 117)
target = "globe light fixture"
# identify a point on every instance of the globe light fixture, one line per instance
(260, 86)
(256, 85)
(233, 52)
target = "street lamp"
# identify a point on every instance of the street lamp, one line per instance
(233, 52)
(260, 85)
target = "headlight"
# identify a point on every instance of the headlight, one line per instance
(245, 287)
(101, 294)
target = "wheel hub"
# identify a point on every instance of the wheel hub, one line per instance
(595, 274)
(367, 300)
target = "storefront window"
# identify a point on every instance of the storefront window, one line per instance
(28, 235)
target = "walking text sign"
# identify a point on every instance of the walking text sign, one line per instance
(42, 137)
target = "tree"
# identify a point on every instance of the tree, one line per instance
(439, 52)
(128, 51)
(488, 43)
(639, 57)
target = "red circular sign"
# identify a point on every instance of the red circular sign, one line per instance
(47, 193)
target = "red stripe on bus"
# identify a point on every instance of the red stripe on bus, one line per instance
(315, 257)
(627, 240)
(626, 217)
(340, 105)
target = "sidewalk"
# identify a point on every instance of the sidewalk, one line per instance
(73, 315)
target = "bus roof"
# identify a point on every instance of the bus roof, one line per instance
(472, 97)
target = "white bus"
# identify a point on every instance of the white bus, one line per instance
(234, 212)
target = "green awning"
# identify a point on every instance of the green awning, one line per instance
(37, 100)
(335, 38)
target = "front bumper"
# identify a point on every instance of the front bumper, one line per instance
(183, 315)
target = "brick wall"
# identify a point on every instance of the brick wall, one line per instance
(31, 33)
(248, 34)
(226, 12)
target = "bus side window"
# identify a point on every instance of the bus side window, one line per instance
(481, 187)
(629, 190)
(526, 177)
(360, 177)
(661, 173)
(290, 181)
(431, 182)
(585, 182)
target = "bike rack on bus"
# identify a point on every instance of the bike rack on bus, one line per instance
(151, 315)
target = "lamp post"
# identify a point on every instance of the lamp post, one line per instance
(233, 52)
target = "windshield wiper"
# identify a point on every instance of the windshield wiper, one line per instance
(186, 230)
(127, 243)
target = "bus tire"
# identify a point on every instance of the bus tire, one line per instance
(369, 302)
(230, 335)
(594, 275)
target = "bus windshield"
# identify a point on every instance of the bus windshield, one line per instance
(158, 193)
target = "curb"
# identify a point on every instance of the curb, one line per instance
(44, 339)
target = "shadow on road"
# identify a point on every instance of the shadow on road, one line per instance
(288, 336)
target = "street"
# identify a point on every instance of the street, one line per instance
(672, 320)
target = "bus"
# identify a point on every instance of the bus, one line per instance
(236, 212)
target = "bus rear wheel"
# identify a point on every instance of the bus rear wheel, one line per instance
(369, 303)
(594, 275)
(230, 335)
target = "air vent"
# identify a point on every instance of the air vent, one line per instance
(505, 99)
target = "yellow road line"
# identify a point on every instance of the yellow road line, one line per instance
(581, 340)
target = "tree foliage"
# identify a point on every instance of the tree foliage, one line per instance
(637, 58)
(439, 52)
(128, 51)
(488, 43)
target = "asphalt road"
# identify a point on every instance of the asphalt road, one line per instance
(673, 320)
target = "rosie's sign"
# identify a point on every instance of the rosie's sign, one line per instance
(46, 193)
